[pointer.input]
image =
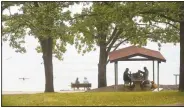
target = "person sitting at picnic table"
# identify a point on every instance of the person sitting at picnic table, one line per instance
(126, 76)
(145, 73)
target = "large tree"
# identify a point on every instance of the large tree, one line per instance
(43, 20)
(171, 14)
(108, 25)
(101, 25)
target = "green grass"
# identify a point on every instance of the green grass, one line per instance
(95, 99)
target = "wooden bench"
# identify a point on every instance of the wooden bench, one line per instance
(73, 85)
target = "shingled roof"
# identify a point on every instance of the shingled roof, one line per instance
(125, 54)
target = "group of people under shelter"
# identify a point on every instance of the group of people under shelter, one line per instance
(140, 75)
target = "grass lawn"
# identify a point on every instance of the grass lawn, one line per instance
(95, 99)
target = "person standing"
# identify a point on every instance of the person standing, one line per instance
(146, 73)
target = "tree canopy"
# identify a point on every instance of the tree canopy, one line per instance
(47, 22)
(123, 20)
(108, 20)
(172, 15)
(110, 24)
(38, 19)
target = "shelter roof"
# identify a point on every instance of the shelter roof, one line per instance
(125, 54)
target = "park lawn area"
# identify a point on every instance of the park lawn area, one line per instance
(95, 99)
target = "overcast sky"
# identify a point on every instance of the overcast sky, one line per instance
(74, 65)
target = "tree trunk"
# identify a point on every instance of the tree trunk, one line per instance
(46, 45)
(181, 81)
(102, 82)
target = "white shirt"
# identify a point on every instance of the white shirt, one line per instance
(85, 81)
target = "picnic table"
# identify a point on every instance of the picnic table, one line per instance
(137, 84)
(137, 80)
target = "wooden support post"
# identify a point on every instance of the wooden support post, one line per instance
(176, 78)
(116, 74)
(153, 72)
(158, 76)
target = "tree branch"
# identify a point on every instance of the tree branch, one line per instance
(113, 41)
(118, 46)
(83, 15)
(168, 24)
(169, 18)
(9, 11)
(161, 15)
(112, 35)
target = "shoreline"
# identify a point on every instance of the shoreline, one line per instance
(35, 92)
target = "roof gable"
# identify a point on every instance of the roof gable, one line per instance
(132, 51)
